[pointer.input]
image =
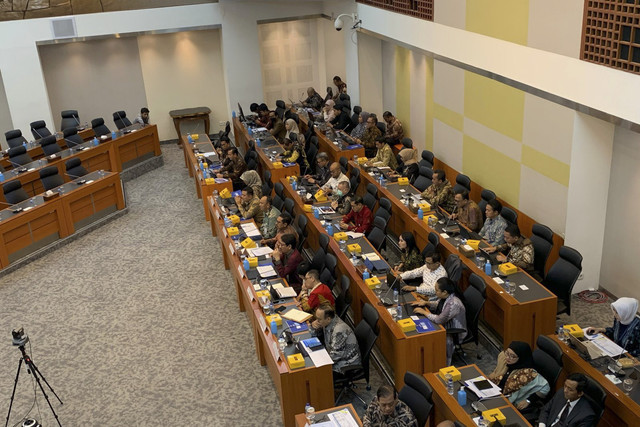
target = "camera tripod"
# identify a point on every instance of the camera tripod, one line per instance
(33, 370)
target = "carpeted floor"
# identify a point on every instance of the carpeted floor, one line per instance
(136, 323)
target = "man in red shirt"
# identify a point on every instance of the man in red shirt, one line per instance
(314, 292)
(360, 219)
(286, 259)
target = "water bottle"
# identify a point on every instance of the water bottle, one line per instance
(395, 296)
(420, 213)
(95, 141)
(506, 284)
(462, 397)
(482, 422)
(487, 268)
(233, 114)
(257, 142)
(450, 384)
(113, 134)
(316, 213)
(1, 177)
(294, 184)
(189, 138)
(250, 130)
(24, 144)
(354, 259)
(330, 229)
(227, 222)
(245, 264)
(365, 274)
(306, 408)
(274, 327)
(399, 312)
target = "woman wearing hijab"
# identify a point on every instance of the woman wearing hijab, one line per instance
(516, 376)
(358, 131)
(626, 326)
(252, 179)
(292, 127)
(409, 167)
(328, 114)
(294, 151)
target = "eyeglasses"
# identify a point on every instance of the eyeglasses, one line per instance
(510, 354)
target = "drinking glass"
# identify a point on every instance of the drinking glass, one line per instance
(310, 414)
(282, 344)
(627, 385)
(562, 335)
(377, 289)
(512, 288)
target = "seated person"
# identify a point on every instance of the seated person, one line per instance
(626, 325)
(449, 310)
(263, 116)
(493, 229)
(358, 131)
(283, 226)
(252, 179)
(270, 216)
(409, 167)
(294, 151)
(580, 413)
(277, 126)
(370, 136)
(410, 259)
(328, 113)
(342, 199)
(292, 127)
(440, 192)
(314, 99)
(339, 339)
(519, 250)
(249, 206)
(387, 410)
(430, 272)
(336, 176)
(384, 156)
(467, 211)
(360, 219)
(323, 173)
(222, 150)
(314, 293)
(341, 117)
(286, 259)
(394, 128)
(234, 169)
(143, 118)
(516, 376)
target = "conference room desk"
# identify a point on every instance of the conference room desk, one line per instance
(204, 189)
(523, 317)
(404, 351)
(326, 144)
(446, 406)
(295, 387)
(301, 419)
(41, 222)
(620, 409)
(266, 164)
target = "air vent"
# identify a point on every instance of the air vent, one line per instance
(63, 28)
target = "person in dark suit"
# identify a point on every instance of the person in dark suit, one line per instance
(580, 413)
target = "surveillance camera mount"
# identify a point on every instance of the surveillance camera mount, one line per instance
(338, 23)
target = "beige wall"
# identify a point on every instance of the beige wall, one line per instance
(182, 70)
(370, 65)
(334, 56)
(96, 78)
(5, 114)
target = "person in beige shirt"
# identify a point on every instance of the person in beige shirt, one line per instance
(249, 206)
(467, 211)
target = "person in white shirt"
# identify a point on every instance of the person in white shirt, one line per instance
(430, 272)
(336, 177)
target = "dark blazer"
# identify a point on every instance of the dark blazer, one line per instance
(581, 415)
(287, 268)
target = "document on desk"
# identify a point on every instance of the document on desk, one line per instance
(607, 346)
(372, 256)
(342, 418)
(266, 250)
(248, 226)
(259, 130)
(266, 271)
(320, 357)
(354, 235)
(486, 393)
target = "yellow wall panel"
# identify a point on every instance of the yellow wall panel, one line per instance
(493, 104)
(403, 89)
(449, 117)
(545, 165)
(429, 106)
(502, 19)
(491, 169)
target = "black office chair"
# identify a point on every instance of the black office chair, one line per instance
(279, 189)
(252, 165)
(382, 213)
(432, 244)
(345, 100)
(485, 197)
(277, 202)
(323, 239)
(453, 265)
(328, 274)
(280, 108)
(70, 119)
(250, 155)
(462, 181)
(562, 276)
(369, 201)
(372, 189)
(50, 145)
(343, 298)
(317, 261)
(356, 172)
(266, 177)
(288, 206)
(71, 137)
(301, 222)
(473, 303)
(379, 222)
(75, 169)
(426, 159)
(344, 164)
(596, 395)
(382, 126)
(266, 190)
(366, 337)
(406, 142)
(50, 177)
(14, 138)
(120, 119)
(377, 238)
(477, 282)
(225, 132)
(13, 192)
(312, 154)
(99, 128)
(18, 156)
(386, 204)
(416, 394)
(354, 181)
(546, 366)
(309, 133)
(550, 347)
(510, 215)
(423, 181)
(39, 129)
(542, 240)
(371, 316)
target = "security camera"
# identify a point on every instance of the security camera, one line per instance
(339, 23)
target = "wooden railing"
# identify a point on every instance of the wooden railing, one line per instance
(422, 9)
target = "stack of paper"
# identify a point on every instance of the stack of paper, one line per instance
(372, 256)
(266, 250)
(485, 393)
(296, 315)
(266, 271)
(342, 418)
(607, 346)
(354, 235)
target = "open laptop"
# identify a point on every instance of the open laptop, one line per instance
(393, 281)
(587, 349)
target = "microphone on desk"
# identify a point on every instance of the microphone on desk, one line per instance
(37, 133)
(18, 166)
(124, 132)
(76, 119)
(76, 177)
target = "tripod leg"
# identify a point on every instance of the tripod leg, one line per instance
(35, 368)
(35, 373)
(13, 393)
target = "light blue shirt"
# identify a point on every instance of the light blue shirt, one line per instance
(493, 230)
